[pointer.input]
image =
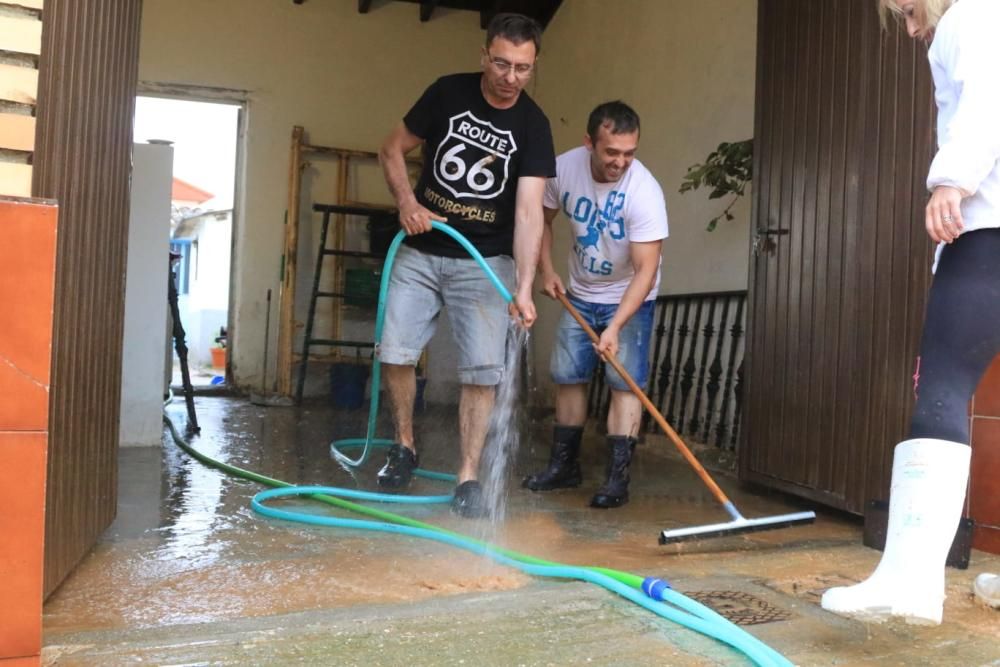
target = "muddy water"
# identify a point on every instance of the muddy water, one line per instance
(186, 548)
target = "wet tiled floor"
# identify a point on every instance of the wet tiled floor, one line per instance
(189, 574)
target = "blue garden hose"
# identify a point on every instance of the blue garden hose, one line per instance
(655, 595)
(370, 442)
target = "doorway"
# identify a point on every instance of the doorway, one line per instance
(204, 191)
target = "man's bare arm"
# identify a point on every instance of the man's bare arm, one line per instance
(528, 225)
(414, 218)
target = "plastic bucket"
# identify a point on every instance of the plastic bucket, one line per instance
(419, 403)
(218, 357)
(347, 385)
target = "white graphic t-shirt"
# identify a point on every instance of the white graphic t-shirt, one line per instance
(605, 218)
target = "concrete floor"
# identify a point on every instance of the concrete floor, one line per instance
(188, 574)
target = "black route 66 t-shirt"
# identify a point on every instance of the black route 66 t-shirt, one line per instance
(473, 155)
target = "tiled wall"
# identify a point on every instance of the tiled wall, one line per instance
(984, 483)
(27, 280)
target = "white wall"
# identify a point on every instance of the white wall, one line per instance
(209, 286)
(146, 297)
(206, 305)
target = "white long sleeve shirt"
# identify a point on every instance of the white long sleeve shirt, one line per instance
(965, 63)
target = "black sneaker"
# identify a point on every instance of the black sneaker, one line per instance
(468, 500)
(400, 463)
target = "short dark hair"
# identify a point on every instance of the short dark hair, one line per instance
(517, 28)
(618, 116)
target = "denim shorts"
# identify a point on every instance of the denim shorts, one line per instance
(418, 288)
(574, 357)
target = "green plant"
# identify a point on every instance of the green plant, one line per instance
(726, 170)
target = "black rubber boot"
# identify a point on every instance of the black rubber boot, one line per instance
(614, 492)
(400, 462)
(564, 468)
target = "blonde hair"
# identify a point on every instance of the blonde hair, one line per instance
(928, 12)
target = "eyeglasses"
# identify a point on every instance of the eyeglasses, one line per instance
(521, 71)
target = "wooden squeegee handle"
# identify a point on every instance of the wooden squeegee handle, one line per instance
(648, 404)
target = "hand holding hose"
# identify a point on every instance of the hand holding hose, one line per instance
(416, 219)
(522, 308)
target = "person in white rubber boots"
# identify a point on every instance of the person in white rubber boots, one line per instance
(961, 334)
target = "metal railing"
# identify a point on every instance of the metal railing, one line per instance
(696, 372)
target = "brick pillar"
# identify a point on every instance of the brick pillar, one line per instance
(27, 280)
(984, 482)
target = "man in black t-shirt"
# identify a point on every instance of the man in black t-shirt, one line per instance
(487, 153)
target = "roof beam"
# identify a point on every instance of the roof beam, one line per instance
(487, 10)
(426, 9)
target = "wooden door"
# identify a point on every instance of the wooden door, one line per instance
(87, 78)
(841, 262)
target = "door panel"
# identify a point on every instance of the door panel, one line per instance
(841, 262)
(86, 94)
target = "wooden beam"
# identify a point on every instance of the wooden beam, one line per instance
(300, 151)
(546, 15)
(339, 234)
(15, 179)
(487, 10)
(18, 84)
(20, 35)
(17, 132)
(310, 149)
(427, 9)
(286, 296)
(364, 6)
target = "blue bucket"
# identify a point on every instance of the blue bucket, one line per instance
(347, 385)
(419, 404)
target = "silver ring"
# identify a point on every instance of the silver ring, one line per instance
(946, 218)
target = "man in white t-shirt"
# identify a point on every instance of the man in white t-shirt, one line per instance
(618, 218)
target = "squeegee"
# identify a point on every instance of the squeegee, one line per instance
(738, 523)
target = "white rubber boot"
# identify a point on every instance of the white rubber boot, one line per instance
(987, 589)
(929, 478)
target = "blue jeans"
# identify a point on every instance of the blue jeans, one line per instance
(574, 357)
